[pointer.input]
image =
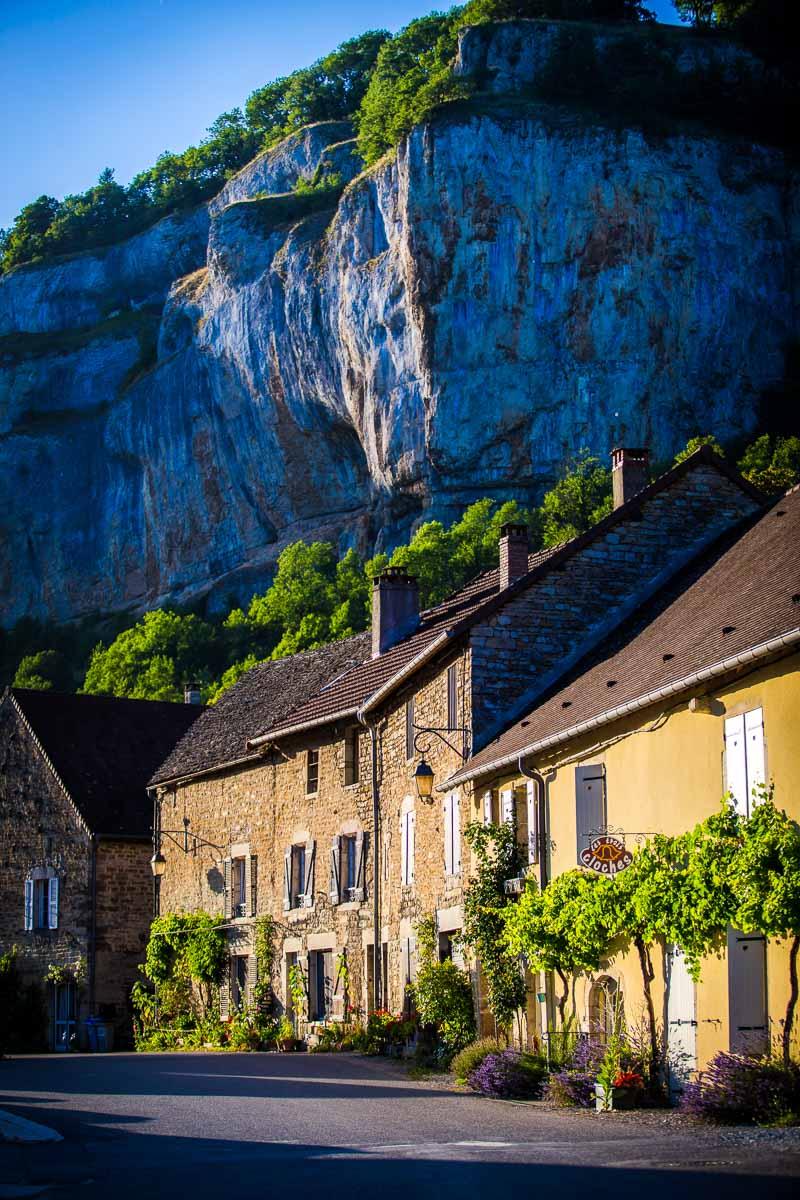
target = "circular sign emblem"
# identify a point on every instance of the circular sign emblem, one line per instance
(606, 855)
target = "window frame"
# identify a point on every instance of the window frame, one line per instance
(312, 772)
(452, 696)
(352, 755)
(239, 886)
(297, 882)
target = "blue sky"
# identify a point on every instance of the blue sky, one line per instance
(86, 84)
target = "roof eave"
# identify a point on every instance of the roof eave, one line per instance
(784, 642)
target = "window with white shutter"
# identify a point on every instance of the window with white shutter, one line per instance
(507, 807)
(308, 889)
(253, 861)
(452, 835)
(407, 831)
(590, 804)
(533, 822)
(52, 904)
(334, 886)
(744, 757)
(487, 808)
(29, 904)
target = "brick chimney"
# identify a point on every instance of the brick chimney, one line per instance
(191, 693)
(395, 608)
(629, 473)
(513, 553)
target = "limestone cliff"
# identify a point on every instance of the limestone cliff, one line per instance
(519, 281)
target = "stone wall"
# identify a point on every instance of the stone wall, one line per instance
(124, 910)
(39, 827)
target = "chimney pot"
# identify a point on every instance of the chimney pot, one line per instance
(191, 693)
(630, 473)
(395, 608)
(513, 553)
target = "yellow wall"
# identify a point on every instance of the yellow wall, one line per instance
(664, 773)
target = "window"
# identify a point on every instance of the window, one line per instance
(239, 982)
(320, 980)
(298, 876)
(238, 888)
(452, 835)
(489, 808)
(348, 854)
(590, 804)
(452, 697)
(351, 762)
(410, 728)
(744, 757)
(407, 837)
(41, 901)
(312, 772)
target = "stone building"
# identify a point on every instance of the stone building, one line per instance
(76, 891)
(698, 694)
(304, 777)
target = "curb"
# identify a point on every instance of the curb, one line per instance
(18, 1129)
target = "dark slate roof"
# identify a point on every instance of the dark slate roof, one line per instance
(104, 750)
(742, 593)
(263, 696)
(360, 688)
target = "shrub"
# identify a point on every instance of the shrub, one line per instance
(443, 998)
(509, 1075)
(574, 1084)
(471, 1057)
(736, 1087)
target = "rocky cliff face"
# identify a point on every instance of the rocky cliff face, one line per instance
(516, 284)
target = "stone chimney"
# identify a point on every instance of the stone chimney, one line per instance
(191, 693)
(513, 553)
(395, 608)
(629, 473)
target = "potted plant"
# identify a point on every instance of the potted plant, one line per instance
(627, 1089)
(284, 1035)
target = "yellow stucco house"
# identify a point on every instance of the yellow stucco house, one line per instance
(697, 695)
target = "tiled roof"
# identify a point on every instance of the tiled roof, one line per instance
(262, 697)
(358, 689)
(357, 685)
(104, 750)
(743, 593)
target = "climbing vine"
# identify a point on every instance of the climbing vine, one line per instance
(264, 950)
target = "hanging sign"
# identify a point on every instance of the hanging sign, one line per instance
(606, 855)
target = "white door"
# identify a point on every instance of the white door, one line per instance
(747, 993)
(681, 1020)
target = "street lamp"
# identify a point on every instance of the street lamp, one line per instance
(158, 864)
(423, 778)
(182, 838)
(423, 775)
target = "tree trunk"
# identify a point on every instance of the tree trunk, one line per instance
(561, 1000)
(647, 978)
(792, 1004)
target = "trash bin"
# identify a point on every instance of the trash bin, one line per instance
(91, 1026)
(105, 1036)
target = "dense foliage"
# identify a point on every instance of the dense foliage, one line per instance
(23, 1014)
(498, 856)
(509, 1075)
(442, 995)
(736, 1088)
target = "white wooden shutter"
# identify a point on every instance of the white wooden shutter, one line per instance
(455, 829)
(405, 819)
(287, 879)
(590, 804)
(361, 854)
(736, 762)
(334, 885)
(448, 834)
(308, 886)
(52, 903)
(226, 868)
(225, 991)
(754, 741)
(29, 904)
(487, 808)
(412, 845)
(533, 822)
(507, 806)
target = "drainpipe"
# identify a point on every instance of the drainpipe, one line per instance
(93, 933)
(376, 904)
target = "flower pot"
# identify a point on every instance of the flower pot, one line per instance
(603, 1103)
(626, 1097)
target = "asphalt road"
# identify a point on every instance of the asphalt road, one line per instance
(253, 1125)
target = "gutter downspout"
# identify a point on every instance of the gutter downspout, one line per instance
(376, 903)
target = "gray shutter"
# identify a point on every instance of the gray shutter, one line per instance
(308, 886)
(252, 976)
(334, 885)
(226, 867)
(253, 884)
(225, 992)
(287, 879)
(361, 856)
(590, 804)
(29, 904)
(52, 903)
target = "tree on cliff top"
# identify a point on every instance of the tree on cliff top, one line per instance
(153, 660)
(45, 671)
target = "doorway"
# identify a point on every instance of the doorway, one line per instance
(65, 1023)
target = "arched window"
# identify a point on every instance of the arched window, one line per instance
(605, 1008)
